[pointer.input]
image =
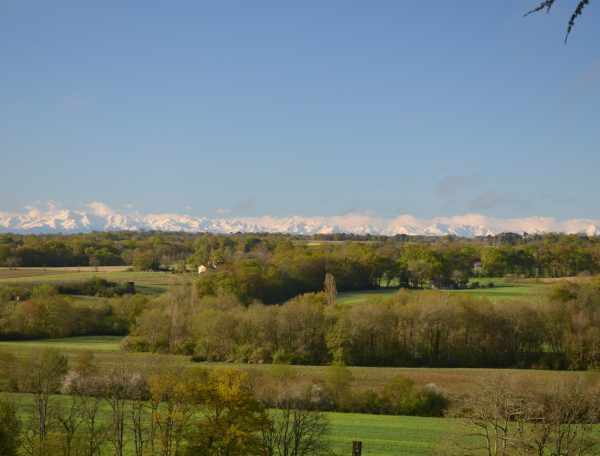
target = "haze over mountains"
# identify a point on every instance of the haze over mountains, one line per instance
(98, 216)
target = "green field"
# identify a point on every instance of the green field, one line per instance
(390, 435)
(357, 297)
(91, 343)
(40, 272)
(146, 282)
(504, 292)
(501, 290)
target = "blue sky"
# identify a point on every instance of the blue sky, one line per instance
(309, 108)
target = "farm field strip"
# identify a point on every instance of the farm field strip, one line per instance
(146, 282)
(90, 343)
(17, 273)
(455, 381)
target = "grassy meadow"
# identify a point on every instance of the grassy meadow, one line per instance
(390, 435)
(146, 282)
(68, 344)
(501, 290)
(7, 274)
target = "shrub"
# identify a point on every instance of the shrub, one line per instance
(96, 287)
(401, 397)
(433, 402)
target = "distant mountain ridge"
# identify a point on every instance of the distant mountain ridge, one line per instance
(100, 217)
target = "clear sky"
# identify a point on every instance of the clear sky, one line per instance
(309, 108)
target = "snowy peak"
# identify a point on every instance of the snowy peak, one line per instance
(98, 216)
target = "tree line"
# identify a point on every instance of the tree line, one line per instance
(274, 273)
(374, 260)
(141, 250)
(41, 312)
(429, 329)
(557, 330)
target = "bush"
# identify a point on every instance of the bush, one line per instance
(433, 402)
(400, 397)
(96, 287)
(368, 401)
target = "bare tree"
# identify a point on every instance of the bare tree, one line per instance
(139, 421)
(69, 417)
(119, 386)
(85, 384)
(93, 428)
(489, 421)
(547, 5)
(562, 421)
(42, 375)
(507, 420)
(296, 430)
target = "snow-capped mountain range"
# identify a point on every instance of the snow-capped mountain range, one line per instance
(100, 217)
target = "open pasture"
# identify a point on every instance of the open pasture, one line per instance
(390, 435)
